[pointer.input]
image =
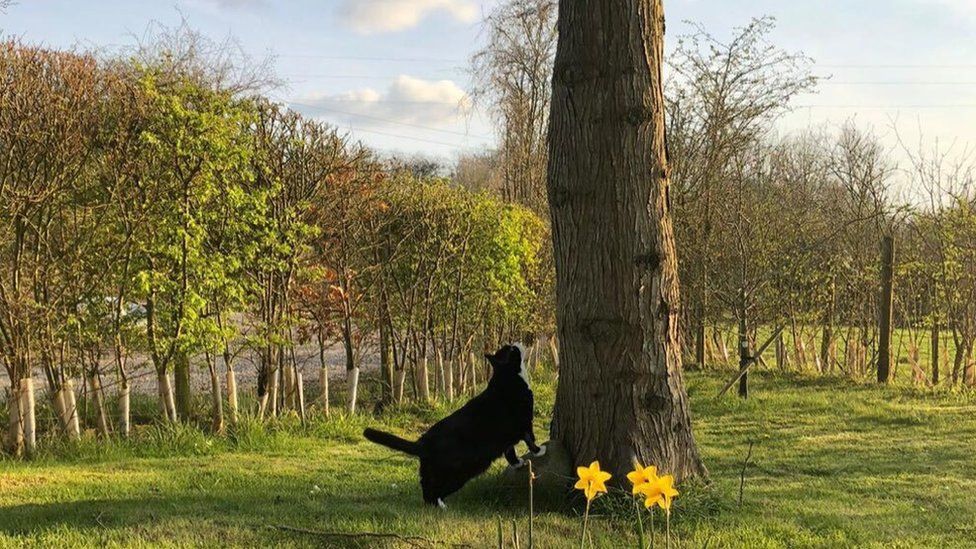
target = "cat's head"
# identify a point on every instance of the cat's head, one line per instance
(509, 361)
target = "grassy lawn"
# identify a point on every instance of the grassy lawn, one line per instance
(834, 464)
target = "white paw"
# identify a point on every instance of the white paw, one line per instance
(519, 465)
(541, 452)
(441, 504)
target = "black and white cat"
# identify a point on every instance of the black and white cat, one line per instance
(464, 444)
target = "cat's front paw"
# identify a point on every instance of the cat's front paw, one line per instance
(541, 452)
(521, 463)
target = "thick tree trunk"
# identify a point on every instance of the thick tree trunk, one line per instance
(621, 394)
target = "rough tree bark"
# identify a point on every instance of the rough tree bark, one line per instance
(621, 394)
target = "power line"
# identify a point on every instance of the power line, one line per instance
(407, 137)
(379, 59)
(364, 76)
(387, 120)
(964, 106)
(897, 66)
(386, 101)
(897, 83)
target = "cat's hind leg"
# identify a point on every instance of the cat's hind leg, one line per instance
(529, 439)
(513, 460)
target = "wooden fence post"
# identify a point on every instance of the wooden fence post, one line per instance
(887, 295)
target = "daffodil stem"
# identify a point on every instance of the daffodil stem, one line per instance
(586, 516)
(640, 525)
(652, 527)
(667, 526)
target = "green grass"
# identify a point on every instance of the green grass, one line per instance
(834, 464)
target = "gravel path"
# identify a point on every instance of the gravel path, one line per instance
(142, 376)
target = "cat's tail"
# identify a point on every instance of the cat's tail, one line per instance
(392, 441)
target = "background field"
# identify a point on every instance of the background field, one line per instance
(834, 464)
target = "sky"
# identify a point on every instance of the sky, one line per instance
(393, 73)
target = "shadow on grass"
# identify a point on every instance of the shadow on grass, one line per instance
(256, 503)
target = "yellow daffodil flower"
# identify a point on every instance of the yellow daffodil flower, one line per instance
(652, 494)
(641, 476)
(666, 486)
(592, 480)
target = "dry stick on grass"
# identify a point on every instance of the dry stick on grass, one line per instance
(742, 475)
(413, 541)
(501, 543)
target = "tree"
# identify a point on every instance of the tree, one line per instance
(721, 102)
(621, 394)
(49, 119)
(512, 74)
(195, 155)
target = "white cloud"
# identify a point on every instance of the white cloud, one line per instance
(372, 16)
(408, 100)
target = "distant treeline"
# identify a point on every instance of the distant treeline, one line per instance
(770, 230)
(158, 209)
